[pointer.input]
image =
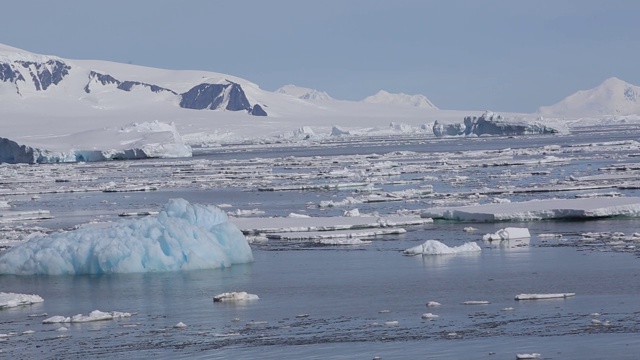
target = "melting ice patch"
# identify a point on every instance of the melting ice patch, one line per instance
(435, 247)
(181, 237)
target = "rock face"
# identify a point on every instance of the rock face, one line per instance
(494, 124)
(42, 74)
(105, 79)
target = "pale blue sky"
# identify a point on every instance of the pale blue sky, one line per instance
(504, 55)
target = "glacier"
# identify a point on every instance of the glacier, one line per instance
(182, 236)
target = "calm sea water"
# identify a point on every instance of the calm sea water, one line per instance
(324, 302)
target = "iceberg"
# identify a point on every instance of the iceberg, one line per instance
(435, 247)
(181, 237)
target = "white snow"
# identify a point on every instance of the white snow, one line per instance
(8, 300)
(235, 296)
(304, 93)
(587, 208)
(507, 234)
(543, 296)
(181, 237)
(384, 97)
(435, 247)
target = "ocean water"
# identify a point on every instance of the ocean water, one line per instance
(349, 302)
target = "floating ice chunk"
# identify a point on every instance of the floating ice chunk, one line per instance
(476, 302)
(62, 329)
(528, 356)
(433, 304)
(435, 247)
(391, 323)
(352, 213)
(180, 325)
(28, 332)
(182, 237)
(469, 229)
(8, 300)
(543, 296)
(429, 316)
(507, 234)
(235, 296)
(95, 315)
(508, 309)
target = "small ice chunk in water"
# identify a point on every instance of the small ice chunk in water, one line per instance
(429, 316)
(180, 325)
(235, 296)
(433, 303)
(543, 296)
(476, 302)
(508, 234)
(8, 300)
(435, 247)
(528, 356)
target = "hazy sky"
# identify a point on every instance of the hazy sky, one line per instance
(503, 55)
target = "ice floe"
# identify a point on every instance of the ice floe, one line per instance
(181, 237)
(588, 208)
(543, 296)
(235, 296)
(8, 300)
(435, 247)
(95, 315)
(528, 356)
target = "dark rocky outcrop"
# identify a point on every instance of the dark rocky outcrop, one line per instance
(126, 85)
(257, 110)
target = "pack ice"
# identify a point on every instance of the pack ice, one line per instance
(182, 236)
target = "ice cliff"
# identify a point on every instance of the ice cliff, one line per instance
(494, 124)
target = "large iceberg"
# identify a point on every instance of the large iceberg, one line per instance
(181, 237)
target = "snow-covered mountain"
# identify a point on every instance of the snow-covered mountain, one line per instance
(612, 97)
(303, 93)
(383, 97)
(24, 74)
(59, 110)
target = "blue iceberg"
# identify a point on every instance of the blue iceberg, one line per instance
(182, 236)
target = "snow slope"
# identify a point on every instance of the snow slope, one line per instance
(304, 93)
(383, 97)
(612, 97)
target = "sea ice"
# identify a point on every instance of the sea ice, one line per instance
(543, 296)
(95, 315)
(181, 237)
(587, 208)
(8, 300)
(435, 247)
(508, 234)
